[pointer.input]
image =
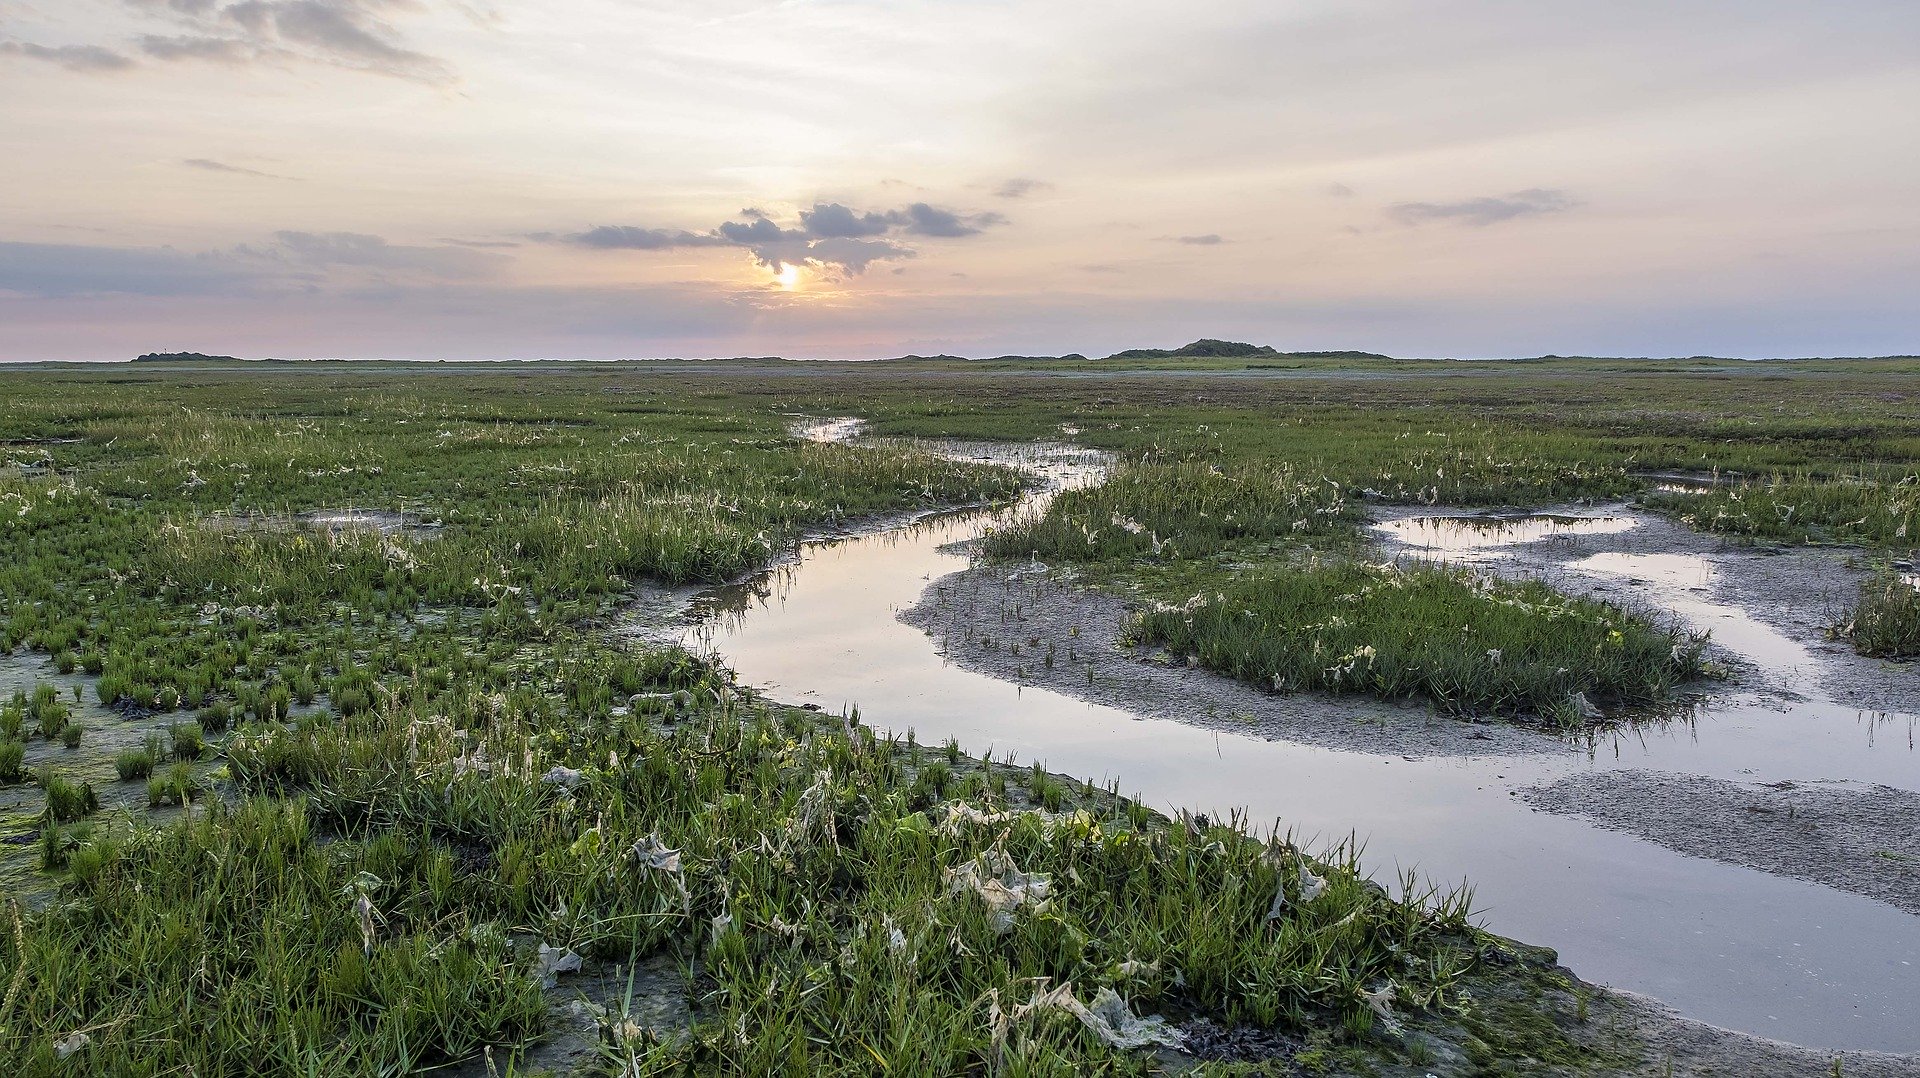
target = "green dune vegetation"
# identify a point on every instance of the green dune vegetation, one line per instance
(324, 761)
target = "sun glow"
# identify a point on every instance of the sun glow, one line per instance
(787, 277)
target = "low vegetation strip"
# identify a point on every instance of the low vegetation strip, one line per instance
(1171, 510)
(125, 563)
(1801, 509)
(1466, 643)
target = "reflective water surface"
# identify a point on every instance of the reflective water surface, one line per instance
(1457, 537)
(1732, 946)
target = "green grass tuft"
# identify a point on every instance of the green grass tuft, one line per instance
(1886, 621)
(1464, 642)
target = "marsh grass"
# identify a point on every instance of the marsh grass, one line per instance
(1466, 643)
(367, 893)
(131, 765)
(12, 753)
(43, 710)
(1175, 510)
(813, 885)
(1882, 511)
(1885, 623)
(67, 800)
(186, 741)
(178, 786)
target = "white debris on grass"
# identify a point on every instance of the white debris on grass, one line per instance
(554, 961)
(1279, 906)
(364, 913)
(1001, 885)
(564, 777)
(475, 761)
(1380, 1001)
(1108, 1017)
(1312, 885)
(73, 1043)
(653, 853)
(1585, 708)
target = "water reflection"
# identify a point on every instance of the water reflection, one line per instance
(1729, 945)
(1466, 536)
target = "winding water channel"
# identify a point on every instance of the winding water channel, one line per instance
(1728, 945)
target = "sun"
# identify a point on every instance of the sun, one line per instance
(787, 277)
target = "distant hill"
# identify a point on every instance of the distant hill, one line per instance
(1204, 348)
(1346, 353)
(1208, 348)
(1070, 357)
(184, 357)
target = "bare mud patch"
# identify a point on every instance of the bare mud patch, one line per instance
(1671, 1044)
(1860, 838)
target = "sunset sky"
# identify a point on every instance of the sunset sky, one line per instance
(864, 178)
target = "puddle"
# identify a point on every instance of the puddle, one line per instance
(839, 429)
(1728, 945)
(1465, 537)
(1673, 482)
(337, 521)
(373, 520)
(1676, 581)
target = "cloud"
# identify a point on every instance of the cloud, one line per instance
(207, 49)
(1480, 212)
(183, 7)
(631, 238)
(1020, 187)
(48, 270)
(759, 230)
(833, 238)
(89, 59)
(830, 219)
(353, 34)
(345, 31)
(291, 262)
(355, 249)
(924, 220)
(1211, 239)
(208, 165)
(853, 256)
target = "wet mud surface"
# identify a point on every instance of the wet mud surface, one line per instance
(1859, 838)
(1671, 1044)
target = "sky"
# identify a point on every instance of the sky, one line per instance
(493, 179)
